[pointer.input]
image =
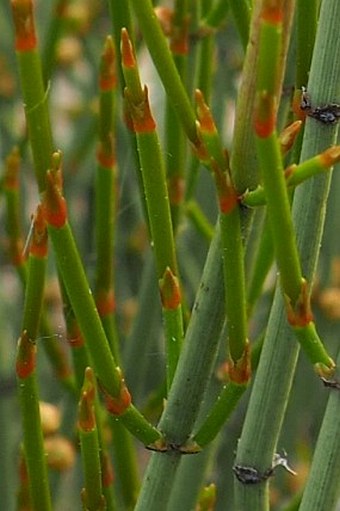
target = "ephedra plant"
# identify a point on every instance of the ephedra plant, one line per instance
(165, 196)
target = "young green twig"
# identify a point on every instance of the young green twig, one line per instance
(106, 210)
(274, 375)
(118, 399)
(35, 95)
(106, 198)
(232, 247)
(92, 493)
(166, 68)
(51, 345)
(157, 201)
(34, 453)
(293, 285)
(175, 139)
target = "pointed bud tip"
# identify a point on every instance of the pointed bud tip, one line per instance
(128, 56)
(86, 415)
(170, 290)
(107, 75)
(330, 156)
(206, 121)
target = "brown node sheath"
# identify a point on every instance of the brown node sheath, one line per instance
(86, 415)
(170, 290)
(107, 76)
(176, 187)
(12, 167)
(289, 171)
(74, 335)
(300, 314)
(105, 302)
(26, 355)
(240, 371)
(54, 204)
(265, 114)
(119, 404)
(165, 17)
(107, 470)
(39, 244)
(105, 153)
(296, 105)
(17, 252)
(206, 121)
(25, 36)
(179, 43)
(227, 196)
(272, 11)
(142, 119)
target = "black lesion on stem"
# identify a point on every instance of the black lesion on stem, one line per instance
(331, 384)
(172, 447)
(327, 114)
(250, 475)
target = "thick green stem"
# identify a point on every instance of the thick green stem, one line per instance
(277, 363)
(190, 380)
(322, 490)
(91, 327)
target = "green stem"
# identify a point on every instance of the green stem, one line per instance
(274, 377)
(83, 305)
(234, 277)
(297, 174)
(322, 489)
(92, 494)
(89, 322)
(33, 443)
(231, 240)
(199, 220)
(138, 344)
(263, 261)
(241, 10)
(175, 140)
(278, 204)
(27, 386)
(279, 216)
(243, 162)
(158, 206)
(165, 66)
(307, 20)
(53, 35)
(34, 95)
(224, 406)
(125, 464)
(121, 18)
(216, 15)
(194, 368)
(204, 74)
